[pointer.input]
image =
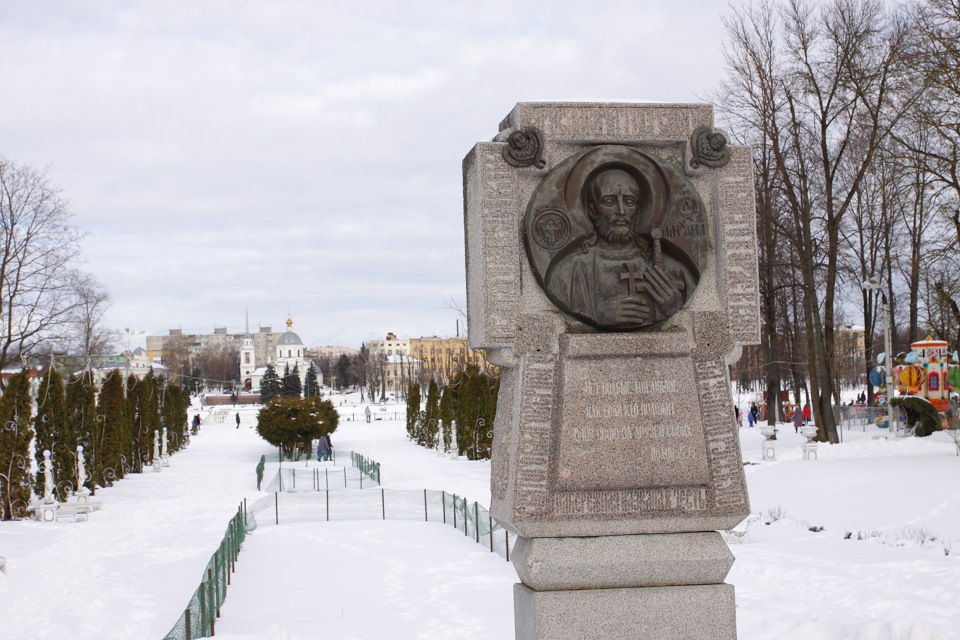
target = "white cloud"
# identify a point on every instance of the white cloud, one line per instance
(305, 154)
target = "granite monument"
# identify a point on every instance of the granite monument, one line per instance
(612, 276)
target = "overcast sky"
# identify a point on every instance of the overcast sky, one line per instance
(223, 155)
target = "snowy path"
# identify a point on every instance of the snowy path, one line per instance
(129, 571)
(368, 580)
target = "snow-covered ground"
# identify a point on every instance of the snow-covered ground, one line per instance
(863, 543)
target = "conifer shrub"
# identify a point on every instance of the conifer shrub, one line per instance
(270, 386)
(114, 434)
(16, 432)
(49, 427)
(921, 415)
(293, 423)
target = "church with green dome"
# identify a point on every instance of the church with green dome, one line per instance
(290, 352)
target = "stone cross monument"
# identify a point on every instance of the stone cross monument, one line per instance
(612, 276)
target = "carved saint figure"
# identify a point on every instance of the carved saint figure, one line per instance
(619, 278)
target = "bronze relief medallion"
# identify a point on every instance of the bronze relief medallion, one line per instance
(617, 238)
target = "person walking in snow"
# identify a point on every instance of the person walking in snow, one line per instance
(753, 413)
(238, 419)
(751, 417)
(806, 413)
(366, 412)
(323, 448)
(797, 420)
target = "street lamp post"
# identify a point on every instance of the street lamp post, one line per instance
(872, 285)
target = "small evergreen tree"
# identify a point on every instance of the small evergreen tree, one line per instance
(16, 433)
(293, 423)
(150, 405)
(115, 431)
(921, 415)
(143, 407)
(270, 385)
(291, 387)
(446, 417)
(173, 415)
(312, 387)
(82, 427)
(474, 400)
(431, 416)
(132, 454)
(413, 409)
(49, 426)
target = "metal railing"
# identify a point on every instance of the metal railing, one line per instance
(362, 473)
(326, 499)
(306, 504)
(864, 417)
(199, 618)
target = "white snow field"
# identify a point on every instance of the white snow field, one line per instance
(129, 571)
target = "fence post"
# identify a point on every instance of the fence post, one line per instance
(276, 506)
(328, 505)
(344, 477)
(326, 477)
(490, 525)
(443, 503)
(211, 598)
(426, 518)
(186, 615)
(453, 502)
(383, 505)
(507, 534)
(215, 583)
(294, 477)
(204, 614)
(476, 521)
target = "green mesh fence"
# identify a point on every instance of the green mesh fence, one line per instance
(368, 467)
(340, 504)
(347, 470)
(199, 618)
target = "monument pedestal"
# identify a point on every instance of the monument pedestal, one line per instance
(704, 612)
(636, 586)
(48, 511)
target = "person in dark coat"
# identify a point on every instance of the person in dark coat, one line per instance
(323, 448)
(797, 420)
(238, 419)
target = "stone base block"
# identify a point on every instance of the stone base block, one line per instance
(701, 612)
(619, 562)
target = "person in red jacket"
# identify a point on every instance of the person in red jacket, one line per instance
(806, 413)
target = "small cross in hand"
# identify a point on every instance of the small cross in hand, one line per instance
(631, 276)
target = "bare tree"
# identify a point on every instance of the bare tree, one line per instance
(37, 294)
(936, 61)
(176, 357)
(88, 337)
(832, 86)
